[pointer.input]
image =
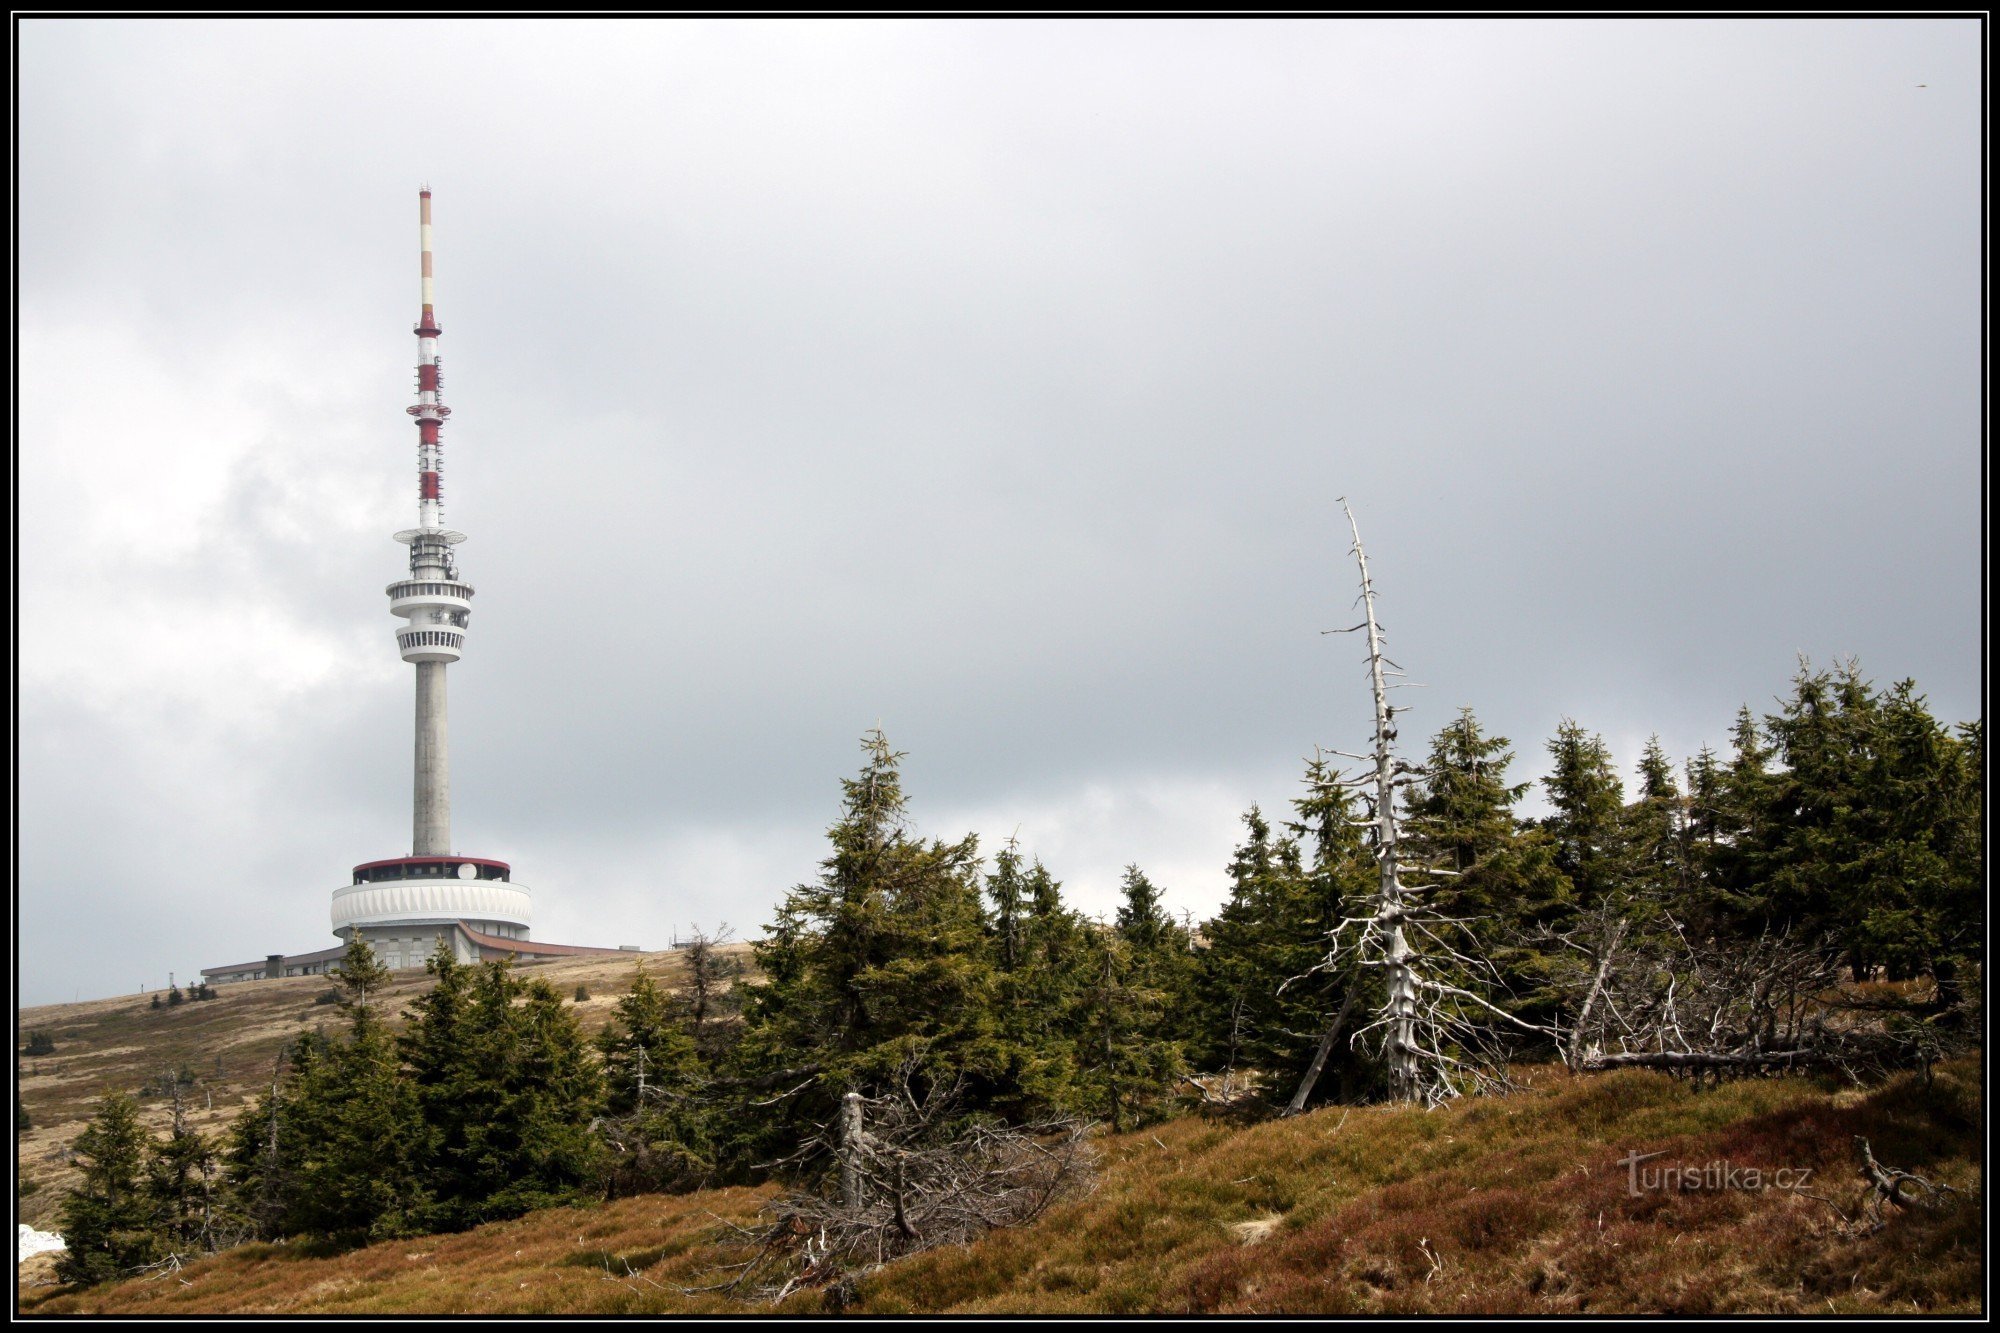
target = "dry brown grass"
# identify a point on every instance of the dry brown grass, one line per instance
(1505, 1205)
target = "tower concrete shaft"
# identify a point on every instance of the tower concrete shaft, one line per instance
(431, 824)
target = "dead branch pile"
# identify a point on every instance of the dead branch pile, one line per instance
(1658, 998)
(907, 1175)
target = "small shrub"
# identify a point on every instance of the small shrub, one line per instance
(327, 997)
(41, 1043)
(582, 992)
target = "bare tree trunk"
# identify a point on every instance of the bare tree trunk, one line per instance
(850, 1150)
(1332, 1034)
(1578, 1051)
(1390, 910)
(1701, 1060)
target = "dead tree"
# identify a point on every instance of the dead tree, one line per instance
(1436, 1035)
(707, 996)
(910, 1174)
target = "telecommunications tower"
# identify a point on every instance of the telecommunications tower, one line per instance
(400, 903)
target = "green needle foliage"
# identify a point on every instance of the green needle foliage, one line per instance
(877, 971)
(108, 1221)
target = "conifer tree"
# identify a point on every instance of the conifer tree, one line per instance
(1703, 837)
(662, 1132)
(359, 1136)
(1163, 957)
(1735, 825)
(261, 1155)
(335, 1149)
(1862, 834)
(361, 974)
(1655, 835)
(1265, 999)
(1127, 1066)
(707, 998)
(108, 1219)
(1141, 921)
(505, 1090)
(180, 1178)
(1587, 825)
(1501, 880)
(1007, 887)
(877, 972)
(1043, 1000)
(645, 1047)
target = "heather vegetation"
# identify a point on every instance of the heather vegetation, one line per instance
(1807, 904)
(1512, 1204)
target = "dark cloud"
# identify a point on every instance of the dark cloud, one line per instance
(997, 382)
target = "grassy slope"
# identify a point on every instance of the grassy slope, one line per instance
(229, 1042)
(1507, 1204)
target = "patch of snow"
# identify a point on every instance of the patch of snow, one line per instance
(33, 1242)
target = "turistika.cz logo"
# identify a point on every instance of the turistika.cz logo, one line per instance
(1716, 1175)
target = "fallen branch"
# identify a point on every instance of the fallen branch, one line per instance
(1700, 1059)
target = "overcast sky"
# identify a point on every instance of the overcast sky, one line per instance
(995, 381)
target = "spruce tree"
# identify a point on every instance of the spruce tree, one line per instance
(1007, 887)
(1043, 1000)
(645, 1047)
(181, 1179)
(707, 999)
(1266, 996)
(262, 1153)
(1587, 824)
(359, 1136)
(361, 974)
(1655, 834)
(337, 1151)
(1127, 1065)
(1163, 957)
(1736, 826)
(663, 1122)
(553, 1093)
(877, 973)
(1865, 835)
(108, 1219)
(1503, 883)
(504, 1088)
(1703, 839)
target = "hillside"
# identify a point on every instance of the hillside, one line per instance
(1510, 1204)
(229, 1043)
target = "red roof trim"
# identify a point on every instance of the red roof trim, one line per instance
(432, 860)
(486, 941)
